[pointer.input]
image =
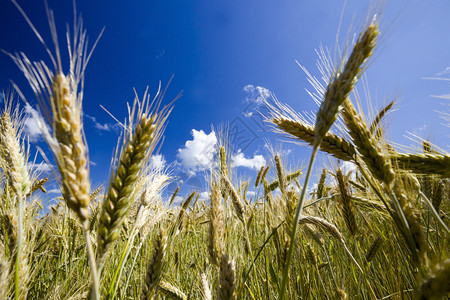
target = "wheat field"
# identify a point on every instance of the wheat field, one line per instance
(379, 230)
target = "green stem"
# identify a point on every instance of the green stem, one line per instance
(114, 282)
(318, 200)
(249, 246)
(95, 290)
(19, 250)
(257, 256)
(434, 212)
(296, 220)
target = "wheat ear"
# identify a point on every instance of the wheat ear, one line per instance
(281, 178)
(137, 147)
(216, 227)
(13, 162)
(235, 199)
(424, 163)
(288, 178)
(331, 229)
(373, 249)
(12, 156)
(258, 177)
(171, 291)
(118, 200)
(347, 203)
(343, 82)
(367, 145)
(155, 265)
(61, 96)
(227, 279)
(321, 185)
(206, 292)
(437, 284)
(331, 143)
(380, 116)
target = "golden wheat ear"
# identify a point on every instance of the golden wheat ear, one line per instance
(60, 97)
(227, 278)
(343, 82)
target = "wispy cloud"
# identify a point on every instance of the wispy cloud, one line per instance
(256, 94)
(54, 191)
(103, 127)
(445, 71)
(198, 153)
(255, 108)
(41, 167)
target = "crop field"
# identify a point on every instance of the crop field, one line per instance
(378, 230)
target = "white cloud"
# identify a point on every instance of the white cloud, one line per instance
(54, 191)
(251, 194)
(198, 154)
(311, 189)
(32, 124)
(348, 167)
(203, 196)
(256, 94)
(177, 200)
(157, 161)
(239, 160)
(41, 167)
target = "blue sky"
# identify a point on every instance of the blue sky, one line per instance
(224, 56)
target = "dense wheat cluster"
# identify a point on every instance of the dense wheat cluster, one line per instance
(377, 231)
